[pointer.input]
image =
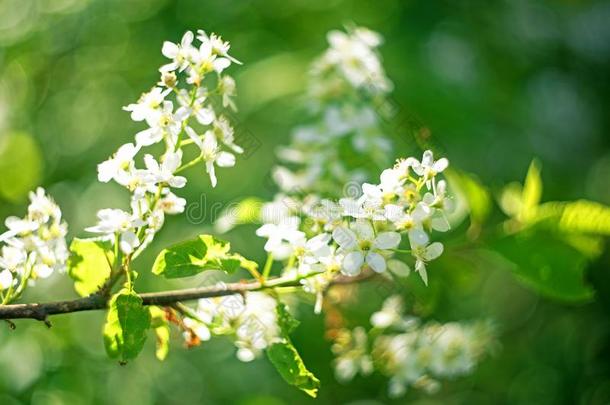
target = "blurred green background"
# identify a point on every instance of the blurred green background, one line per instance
(497, 84)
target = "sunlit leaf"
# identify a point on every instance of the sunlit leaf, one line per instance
(89, 264)
(289, 364)
(126, 324)
(532, 191)
(194, 256)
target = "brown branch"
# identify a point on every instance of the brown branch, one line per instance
(41, 311)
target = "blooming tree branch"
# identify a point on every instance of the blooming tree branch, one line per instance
(316, 238)
(41, 311)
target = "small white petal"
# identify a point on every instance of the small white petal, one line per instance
(433, 251)
(376, 262)
(417, 237)
(420, 267)
(352, 263)
(345, 238)
(387, 240)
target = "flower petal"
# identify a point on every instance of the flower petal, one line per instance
(352, 263)
(376, 262)
(345, 238)
(387, 240)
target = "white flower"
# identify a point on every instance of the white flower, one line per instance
(281, 236)
(211, 153)
(171, 204)
(118, 222)
(428, 168)
(413, 223)
(119, 164)
(13, 259)
(162, 122)
(18, 227)
(224, 131)
(351, 349)
(148, 104)
(42, 207)
(6, 279)
(204, 114)
(312, 250)
(181, 54)
(164, 172)
(423, 254)
(226, 87)
(361, 245)
(219, 47)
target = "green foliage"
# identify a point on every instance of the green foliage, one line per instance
(289, 364)
(580, 216)
(284, 356)
(532, 191)
(477, 196)
(126, 324)
(162, 331)
(89, 264)
(194, 256)
(547, 264)
(20, 165)
(521, 202)
(285, 320)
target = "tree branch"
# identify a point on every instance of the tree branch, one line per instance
(41, 311)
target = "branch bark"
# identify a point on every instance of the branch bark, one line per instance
(41, 311)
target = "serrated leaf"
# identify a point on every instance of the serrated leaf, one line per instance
(191, 257)
(289, 364)
(126, 325)
(89, 264)
(548, 265)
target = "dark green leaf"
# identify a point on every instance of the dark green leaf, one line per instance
(285, 320)
(547, 264)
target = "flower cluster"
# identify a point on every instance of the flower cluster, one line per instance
(350, 62)
(346, 86)
(193, 117)
(365, 232)
(250, 319)
(34, 246)
(412, 354)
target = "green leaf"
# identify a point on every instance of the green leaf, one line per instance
(194, 256)
(532, 191)
(162, 331)
(20, 156)
(89, 264)
(289, 364)
(547, 264)
(580, 216)
(126, 324)
(285, 320)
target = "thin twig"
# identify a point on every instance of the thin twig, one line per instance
(41, 311)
